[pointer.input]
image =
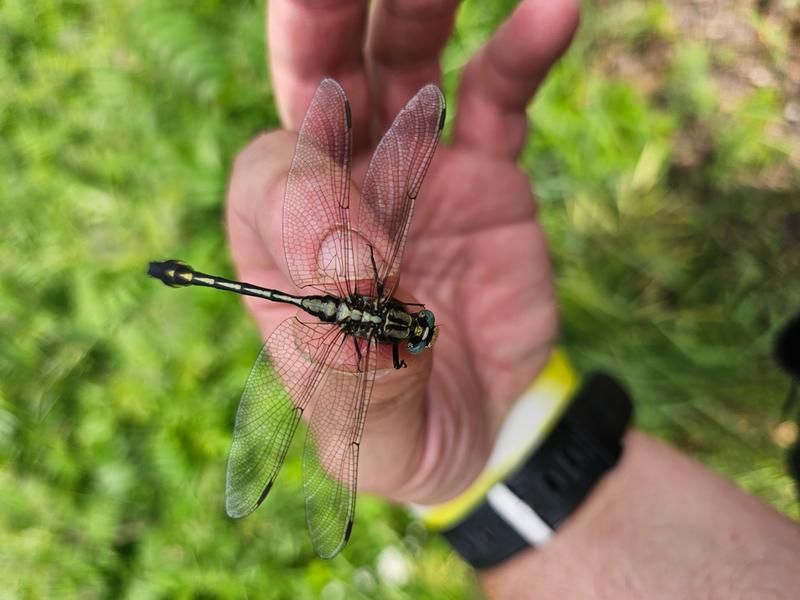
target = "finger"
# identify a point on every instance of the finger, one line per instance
(405, 40)
(502, 78)
(311, 39)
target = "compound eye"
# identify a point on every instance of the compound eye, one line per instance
(424, 332)
(429, 318)
(418, 347)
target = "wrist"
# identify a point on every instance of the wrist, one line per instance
(566, 566)
(659, 525)
(528, 505)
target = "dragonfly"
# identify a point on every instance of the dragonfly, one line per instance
(320, 364)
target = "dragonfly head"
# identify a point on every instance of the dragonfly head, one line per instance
(423, 332)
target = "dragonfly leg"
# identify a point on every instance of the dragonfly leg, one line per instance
(358, 353)
(410, 303)
(398, 364)
(378, 282)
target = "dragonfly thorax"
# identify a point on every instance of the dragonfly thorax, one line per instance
(386, 321)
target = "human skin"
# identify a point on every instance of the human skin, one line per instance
(659, 525)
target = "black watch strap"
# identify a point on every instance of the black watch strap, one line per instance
(553, 482)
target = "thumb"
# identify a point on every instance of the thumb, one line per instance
(254, 221)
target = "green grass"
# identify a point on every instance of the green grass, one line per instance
(119, 121)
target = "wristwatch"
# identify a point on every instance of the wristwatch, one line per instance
(529, 504)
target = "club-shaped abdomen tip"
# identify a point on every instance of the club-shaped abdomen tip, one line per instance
(173, 273)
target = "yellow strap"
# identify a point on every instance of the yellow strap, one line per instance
(526, 425)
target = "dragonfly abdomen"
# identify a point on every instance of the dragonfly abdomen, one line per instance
(322, 307)
(176, 273)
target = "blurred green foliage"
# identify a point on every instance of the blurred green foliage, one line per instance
(119, 121)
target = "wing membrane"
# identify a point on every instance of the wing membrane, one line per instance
(292, 363)
(316, 203)
(330, 457)
(391, 185)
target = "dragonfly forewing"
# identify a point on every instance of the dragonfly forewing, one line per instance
(391, 185)
(316, 214)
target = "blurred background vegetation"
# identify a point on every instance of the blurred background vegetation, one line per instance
(666, 156)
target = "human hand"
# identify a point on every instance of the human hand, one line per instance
(475, 255)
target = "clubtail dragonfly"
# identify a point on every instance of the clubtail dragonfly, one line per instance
(321, 363)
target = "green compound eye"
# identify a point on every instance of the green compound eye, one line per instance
(424, 333)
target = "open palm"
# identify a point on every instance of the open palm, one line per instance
(475, 256)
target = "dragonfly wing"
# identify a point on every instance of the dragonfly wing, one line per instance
(292, 363)
(330, 457)
(391, 185)
(316, 202)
